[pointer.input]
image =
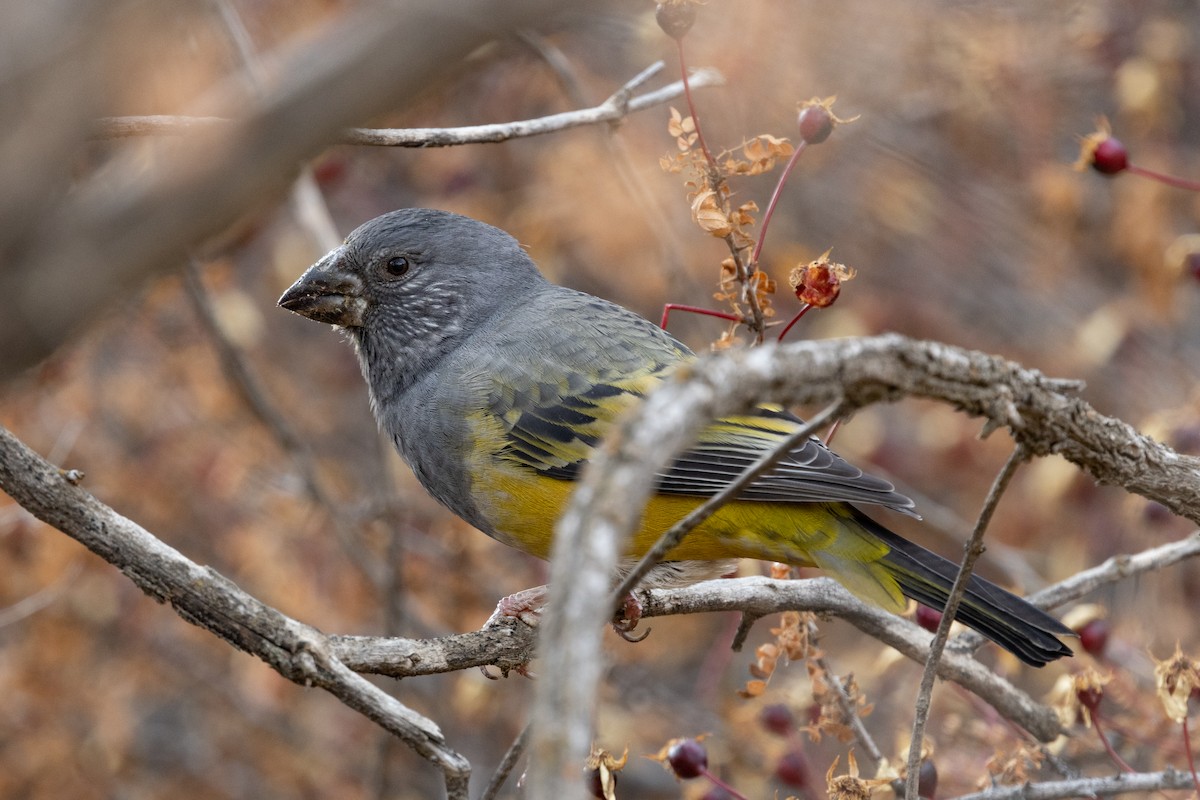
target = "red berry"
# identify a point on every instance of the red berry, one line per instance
(675, 18)
(816, 123)
(1093, 636)
(928, 618)
(688, 758)
(778, 719)
(1110, 157)
(927, 779)
(792, 770)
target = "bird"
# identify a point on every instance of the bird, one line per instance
(496, 386)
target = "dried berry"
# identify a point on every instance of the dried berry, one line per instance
(816, 120)
(778, 719)
(688, 758)
(816, 123)
(927, 780)
(793, 770)
(675, 18)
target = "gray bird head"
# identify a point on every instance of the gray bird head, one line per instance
(411, 285)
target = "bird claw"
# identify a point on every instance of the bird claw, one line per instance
(627, 619)
(521, 669)
(525, 605)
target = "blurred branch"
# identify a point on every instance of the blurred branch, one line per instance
(1040, 413)
(612, 110)
(205, 598)
(127, 222)
(1087, 787)
(307, 203)
(238, 372)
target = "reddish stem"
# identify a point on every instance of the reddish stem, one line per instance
(787, 170)
(1187, 748)
(1161, 177)
(722, 784)
(795, 319)
(708, 312)
(1108, 748)
(687, 93)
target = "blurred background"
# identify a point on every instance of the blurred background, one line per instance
(953, 195)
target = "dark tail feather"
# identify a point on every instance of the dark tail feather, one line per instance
(1011, 622)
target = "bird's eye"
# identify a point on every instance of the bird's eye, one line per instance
(397, 266)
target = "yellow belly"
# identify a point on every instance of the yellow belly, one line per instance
(524, 509)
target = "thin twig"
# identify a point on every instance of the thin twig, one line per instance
(505, 767)
(43, 597)
(974, 549)
(613, 109)
(238, 372)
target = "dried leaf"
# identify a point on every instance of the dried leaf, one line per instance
(1175, 679)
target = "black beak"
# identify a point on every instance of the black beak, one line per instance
(327, 292)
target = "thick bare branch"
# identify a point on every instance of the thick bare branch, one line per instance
(209, 600)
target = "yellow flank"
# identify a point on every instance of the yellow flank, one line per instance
(524, 506)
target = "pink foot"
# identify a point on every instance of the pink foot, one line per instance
(525, 605)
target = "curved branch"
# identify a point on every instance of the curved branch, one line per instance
(1041, 414)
